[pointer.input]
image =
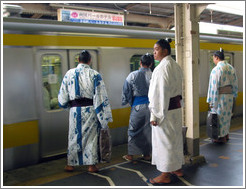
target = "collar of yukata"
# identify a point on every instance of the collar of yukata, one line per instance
(166, 57)
(142, 68)
(82, 65)
(221, 62)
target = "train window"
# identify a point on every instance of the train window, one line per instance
(135, 60)
(76, 60)
(51, 78)
(228, 59)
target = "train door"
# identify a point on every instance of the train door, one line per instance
(53, 123)
(74, 58)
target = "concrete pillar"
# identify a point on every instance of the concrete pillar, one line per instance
(187, 48)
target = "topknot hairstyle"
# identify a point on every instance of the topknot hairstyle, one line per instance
(147, 59)
(220, 54)
(165, 44)
(84, 56)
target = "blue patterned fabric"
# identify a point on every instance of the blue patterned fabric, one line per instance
(222, 75)
(84, 122)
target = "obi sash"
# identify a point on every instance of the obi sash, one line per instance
(140, 100)
(225, 90)
(81, 102)
(174, 102)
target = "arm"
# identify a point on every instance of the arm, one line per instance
(235, 85)
(127, 93)
(101, 102)
(159, 97)
(213, 94)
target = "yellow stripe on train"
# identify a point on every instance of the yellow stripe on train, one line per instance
(53, 40)
(25, 133)
(20, 134)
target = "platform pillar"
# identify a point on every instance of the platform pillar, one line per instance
(187, 48)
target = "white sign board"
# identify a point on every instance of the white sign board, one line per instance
(90, 17)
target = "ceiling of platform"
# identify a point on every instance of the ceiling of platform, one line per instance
(135, 13)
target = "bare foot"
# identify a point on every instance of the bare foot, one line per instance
(69, 168)
(178, 172)
(128, 157)
(161, 179)
(93, 169)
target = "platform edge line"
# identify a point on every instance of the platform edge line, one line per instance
(111, 183)
(185, 181)
(138, 172)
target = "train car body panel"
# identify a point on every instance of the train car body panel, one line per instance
(18, 85)
(20, 117)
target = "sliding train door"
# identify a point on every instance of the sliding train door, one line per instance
(53, 121)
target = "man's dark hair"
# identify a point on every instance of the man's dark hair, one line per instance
(165, 44)
(84, 57)
(147, 59)
(220, 54)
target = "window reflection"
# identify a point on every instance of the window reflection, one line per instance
(51, 79)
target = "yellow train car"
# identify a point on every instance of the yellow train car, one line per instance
(37, 54)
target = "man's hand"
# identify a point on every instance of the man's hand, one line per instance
(154, 123)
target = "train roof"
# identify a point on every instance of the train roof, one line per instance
(34, 26)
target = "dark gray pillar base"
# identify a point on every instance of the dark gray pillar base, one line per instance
(193, 156)
(193, 146)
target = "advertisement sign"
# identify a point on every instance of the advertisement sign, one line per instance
(90, 17)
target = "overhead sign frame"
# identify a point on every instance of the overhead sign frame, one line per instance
(91, 17)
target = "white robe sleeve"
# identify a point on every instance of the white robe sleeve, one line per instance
(159, 96)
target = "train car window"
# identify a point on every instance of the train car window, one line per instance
(76, 60)
(228, 59)
(135, 60)
(51, 78)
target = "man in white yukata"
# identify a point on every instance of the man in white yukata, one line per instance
(84, 93)
(223, 87)
(166, 117)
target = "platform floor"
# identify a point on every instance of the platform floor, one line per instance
(223, 166)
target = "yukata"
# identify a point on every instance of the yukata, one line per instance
(167, 138)
(222, 75)
(135, 92)
(84, 121)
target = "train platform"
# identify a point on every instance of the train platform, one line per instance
(223, 166)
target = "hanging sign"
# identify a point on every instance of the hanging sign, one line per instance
(90, 17)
